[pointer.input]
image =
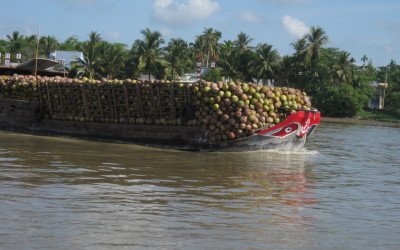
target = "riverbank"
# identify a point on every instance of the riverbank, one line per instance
(359, 121)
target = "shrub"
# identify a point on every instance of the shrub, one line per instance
(341, 100)
(214, 75)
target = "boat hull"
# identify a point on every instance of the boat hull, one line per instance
(25, 116)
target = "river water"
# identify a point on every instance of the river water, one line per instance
(343, 192)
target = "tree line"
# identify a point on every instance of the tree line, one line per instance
(339, 87)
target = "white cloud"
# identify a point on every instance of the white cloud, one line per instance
(294, 26)
(250, 17)
(113, 35)
(181, 14)
(389, 49)
(167, 32)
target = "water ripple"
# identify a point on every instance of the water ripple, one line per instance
(61, 193)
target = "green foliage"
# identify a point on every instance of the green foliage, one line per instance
(377, 115)
(341, 100)
(208, 43)
(391, 75)
(213, 75)
(71, 44)
(112, 60)
(392, 101)
(177, 58)
(149, 52)
(338, 85)
(90, 67)
(47, 45)
(266, 60)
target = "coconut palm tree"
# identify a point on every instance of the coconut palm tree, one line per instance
(132, 63)
(316, 38)
(265, 60)
(364, 59)
(112, 59)
(209, 43)
(343, 69)
(28, 49)
(177, 58)
(227, 47)
(230, 61)
(15, 41)
(285, 70)
(71, 44)
(300, 47)
(3, 45)
(149, 51)
(89, 67)
(243, 41)
(90, 48)
(195, 47)
(48, 44)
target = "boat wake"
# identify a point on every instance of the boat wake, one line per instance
(289, 152)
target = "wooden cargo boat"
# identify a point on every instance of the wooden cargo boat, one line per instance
(291, 134)
(183, 116)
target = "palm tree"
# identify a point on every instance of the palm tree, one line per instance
(300, 47)
(195, 47)
(89, 67)
(230, 61)
(242, 41)
(209, 43)
(112, 59)
(29, 47)
(265, 61)
(71, 44)
(15, 41)
(90, 47)
(132, 64)
(364, 59)
(177, 58)
(343, 69)
(48, 44)
(3, 46)
(316, 38)
(285, 70)
(148, 51)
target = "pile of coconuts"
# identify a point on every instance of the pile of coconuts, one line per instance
(228, 110)
(234, 110)
(19, 87)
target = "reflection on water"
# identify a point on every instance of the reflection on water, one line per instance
(68, 193)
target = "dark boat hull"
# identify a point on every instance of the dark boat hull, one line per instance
(25, 116)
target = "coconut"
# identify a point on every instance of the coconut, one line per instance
(234, 98)
(225, 117)
(231, 135)
(215, 106)
(214, 87)
(227, 101)
(231, 121)
(245, 88)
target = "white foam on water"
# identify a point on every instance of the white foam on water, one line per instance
(290, 152)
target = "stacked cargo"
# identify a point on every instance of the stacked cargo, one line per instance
(227, 110)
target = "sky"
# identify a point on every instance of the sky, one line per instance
(360, 27)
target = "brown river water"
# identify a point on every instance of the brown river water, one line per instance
(342, 192)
